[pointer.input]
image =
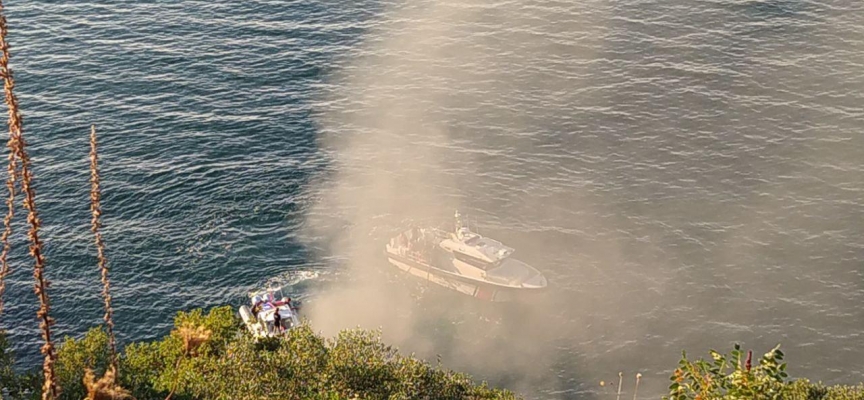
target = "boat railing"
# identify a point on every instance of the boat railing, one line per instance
(417, 256)
(412, 254)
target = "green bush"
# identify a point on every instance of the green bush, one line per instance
(734, 377)
(802, 389)
(12, 385)
(230, 364)
(89, 352)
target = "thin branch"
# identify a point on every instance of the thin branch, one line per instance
(10, 213)
(96, 223)
(49, 389)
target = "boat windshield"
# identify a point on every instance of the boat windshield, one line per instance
(275, 294)
(484, 265)
(472, 240)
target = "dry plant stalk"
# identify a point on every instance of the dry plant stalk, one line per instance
(12, 169)
(49, 389)
(96, 223)
(10, 213)
(105, 388)
(193, 337)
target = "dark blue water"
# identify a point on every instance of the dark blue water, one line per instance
(687, 173)
(206, 151)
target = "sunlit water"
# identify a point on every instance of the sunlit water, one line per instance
(687, 174)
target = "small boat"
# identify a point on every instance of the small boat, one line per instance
(271, 313)
(463, 261)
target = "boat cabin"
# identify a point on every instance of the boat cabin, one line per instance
(475, 250)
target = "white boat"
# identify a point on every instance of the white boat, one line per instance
(271, 313)
(464, 261)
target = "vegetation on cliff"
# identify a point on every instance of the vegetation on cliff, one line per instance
(208, 356)
(735, 376)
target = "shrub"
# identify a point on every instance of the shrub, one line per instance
(802, 389)
(76, 356)
(229, 364)
(727, 378)
(12, 385)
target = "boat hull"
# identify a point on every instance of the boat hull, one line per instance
(261, 323)
(466, 286)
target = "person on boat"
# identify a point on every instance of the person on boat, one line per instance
(400, 243)
(291, 305)
(257, 303)
(409, 243)
(416, 238)
(277, 321)
(284, 301)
